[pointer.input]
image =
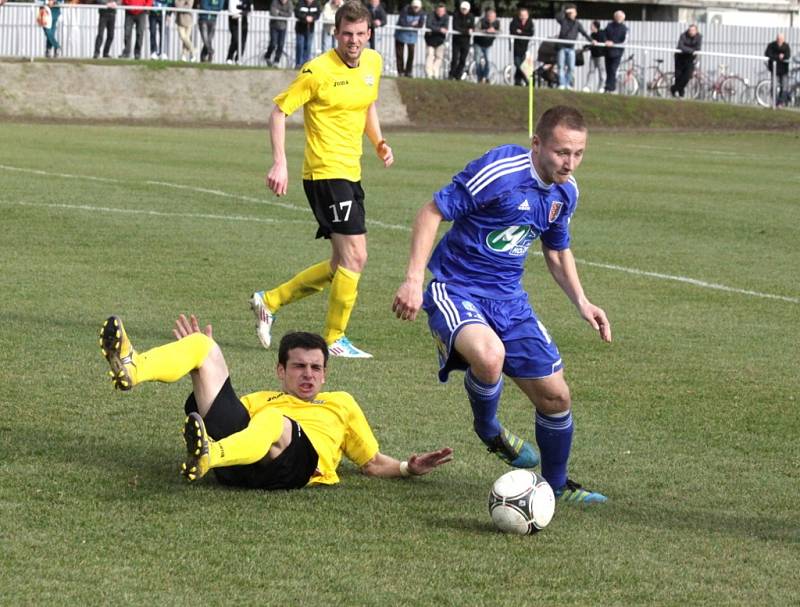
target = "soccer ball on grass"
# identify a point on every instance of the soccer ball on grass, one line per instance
(521, 502)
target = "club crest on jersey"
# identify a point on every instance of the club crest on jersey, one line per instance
(555, 210)
(369, 80)
(514, 240)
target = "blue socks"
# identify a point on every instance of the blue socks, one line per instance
(554, 437)
(484, 399)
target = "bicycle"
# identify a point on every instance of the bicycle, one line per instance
(763, 90)
(719, 86)
(661, 82)
(629, 77)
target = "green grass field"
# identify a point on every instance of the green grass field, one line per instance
(687, 421)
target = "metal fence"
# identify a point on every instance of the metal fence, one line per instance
(726, 49)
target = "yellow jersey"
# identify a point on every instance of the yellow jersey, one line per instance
(335, 99)
(333, 422)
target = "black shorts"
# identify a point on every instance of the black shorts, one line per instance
(290, 470)
(338, 206)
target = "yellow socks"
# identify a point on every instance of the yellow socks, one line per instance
(249, 445)
(344, 290)
(309, 281)
(172, 361)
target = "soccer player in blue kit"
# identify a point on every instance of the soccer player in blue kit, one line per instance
(478, 312)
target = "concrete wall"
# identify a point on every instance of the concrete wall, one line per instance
(171, 95)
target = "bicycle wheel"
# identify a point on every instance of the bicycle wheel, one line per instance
(764, 93)
(663, 85)
(733, 89)
(627, 84)
(508, 74)
(695, 88)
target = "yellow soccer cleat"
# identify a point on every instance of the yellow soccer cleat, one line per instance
(198, 460)
(119, 353)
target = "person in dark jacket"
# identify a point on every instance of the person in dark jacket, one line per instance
(436, 25)
(377, 19)
(463, 24)
(307, 13)
(107, 17)
(238, 12)
(489, 26)
(521, 26)
(596, 80)
(778, 53)
(688, 44)
(279, 13)
(615, 33)
(410, 20)
(570, 27)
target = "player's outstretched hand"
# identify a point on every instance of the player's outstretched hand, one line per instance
(407, 300)
(186, 326)
(384, 152)
(596, 317)
(278, 179)
(425, 462)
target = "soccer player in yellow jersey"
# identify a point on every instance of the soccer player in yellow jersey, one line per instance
(337, 91)
(284, 439)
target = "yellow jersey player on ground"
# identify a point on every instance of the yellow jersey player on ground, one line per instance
(337, 91)
(266, 440)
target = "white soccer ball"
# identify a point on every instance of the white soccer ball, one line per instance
(521, 502)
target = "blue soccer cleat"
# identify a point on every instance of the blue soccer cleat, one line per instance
(573, 493)
(513, 450)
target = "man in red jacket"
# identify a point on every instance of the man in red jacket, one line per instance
(137, 16)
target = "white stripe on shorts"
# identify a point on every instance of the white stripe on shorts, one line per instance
(445, 305)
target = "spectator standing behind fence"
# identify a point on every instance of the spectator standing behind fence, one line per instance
(463, 24)
(280, 11)
(238, 20)
(688, 44)
(521, 27)
(47, 17)
(411, 16)
(328, 25)
(778, 52)
(597, 51)
(437, 24)
(307, 14)
(615, 32)
(184, 21)
(135, 17)
(377, 20)
(156, 19)
(489, 27)
(570, 27)
(207, 24)
(106, 20)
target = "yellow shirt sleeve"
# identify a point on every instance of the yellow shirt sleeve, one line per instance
(360, 444)
(298, 93)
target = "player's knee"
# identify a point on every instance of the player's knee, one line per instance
(557, 400)
(487, 362)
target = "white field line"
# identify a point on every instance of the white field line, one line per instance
(88, 207)
(657, 275)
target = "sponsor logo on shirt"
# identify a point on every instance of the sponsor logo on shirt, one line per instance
(340, 83)
(555, 210)
(369, 80)
(514, 240)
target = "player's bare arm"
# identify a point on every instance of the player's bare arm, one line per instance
(417, 465)
(561, 265)
(278, 176)
(408, 299)
(373, 131)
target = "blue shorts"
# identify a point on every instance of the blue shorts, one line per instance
(530, 352)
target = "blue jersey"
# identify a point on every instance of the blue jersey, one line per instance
(499, 206)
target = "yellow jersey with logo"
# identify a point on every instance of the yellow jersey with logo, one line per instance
(333, 422)
(335, 99)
